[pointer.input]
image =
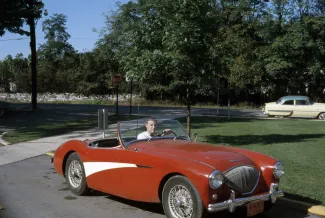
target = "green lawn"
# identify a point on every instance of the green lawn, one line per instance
(300, 144)
(37, 131)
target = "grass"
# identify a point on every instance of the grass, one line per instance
(37, 131)
(298, 143)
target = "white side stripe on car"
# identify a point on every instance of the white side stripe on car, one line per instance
(94, 167)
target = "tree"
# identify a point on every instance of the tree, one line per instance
(13, 15)
(54, 53)
(21, 73)
(6, 73)
(166, 39)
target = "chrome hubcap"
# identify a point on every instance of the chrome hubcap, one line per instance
(180, 202)
(75, 174)
(322, 116)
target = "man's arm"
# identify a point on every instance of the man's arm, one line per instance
(166, 132)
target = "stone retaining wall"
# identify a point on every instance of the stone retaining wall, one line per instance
(54, 97)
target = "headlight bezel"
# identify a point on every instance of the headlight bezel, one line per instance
(278, 170)
(216, 174)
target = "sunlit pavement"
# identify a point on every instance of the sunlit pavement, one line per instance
(31, 188)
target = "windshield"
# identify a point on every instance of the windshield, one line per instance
(129, 130)
(279, 101)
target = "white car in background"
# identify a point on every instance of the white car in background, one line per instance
(295, 106)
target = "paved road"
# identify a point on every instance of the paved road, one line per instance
(31, 188)
(63, 112)
(124, 109)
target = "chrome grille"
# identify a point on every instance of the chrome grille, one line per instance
(242, 179)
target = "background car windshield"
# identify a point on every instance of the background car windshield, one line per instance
(279, 101)
(130, 129)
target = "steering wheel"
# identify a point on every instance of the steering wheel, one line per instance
(163, 133)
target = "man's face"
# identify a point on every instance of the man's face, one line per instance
(151, 126)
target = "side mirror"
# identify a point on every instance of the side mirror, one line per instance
(194, 136)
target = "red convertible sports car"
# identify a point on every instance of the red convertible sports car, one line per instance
(189, 178)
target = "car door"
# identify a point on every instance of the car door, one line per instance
(286, 108)
(102, 169)
(141, 181)
(303, 109)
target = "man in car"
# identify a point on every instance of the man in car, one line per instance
(151, 126)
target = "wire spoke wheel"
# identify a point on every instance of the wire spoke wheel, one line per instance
(180, 202)
(75, 174)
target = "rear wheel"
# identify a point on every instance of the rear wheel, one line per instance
(75, 175)
(321, 116)
(180, 199)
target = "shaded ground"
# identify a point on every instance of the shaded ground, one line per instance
(48, 113)
(24, 118)
(28, 125)
(31, 188)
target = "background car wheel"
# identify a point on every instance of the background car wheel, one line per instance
(75, 175)
(321, 116)
(181, 199)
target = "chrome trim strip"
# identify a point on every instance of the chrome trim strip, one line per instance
(258, 180)
(232, 203)
(290, 111)
(239, 165)
(143, 166)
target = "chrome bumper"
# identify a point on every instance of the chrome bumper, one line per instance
(264, 112)
(232, 203)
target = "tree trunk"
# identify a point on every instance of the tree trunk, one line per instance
(31, 23)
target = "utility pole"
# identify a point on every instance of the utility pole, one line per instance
(131, 97)
(31, 22)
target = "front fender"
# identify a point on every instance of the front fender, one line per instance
(64, 150)
(198, 173)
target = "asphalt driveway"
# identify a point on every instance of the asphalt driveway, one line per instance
(31, 188)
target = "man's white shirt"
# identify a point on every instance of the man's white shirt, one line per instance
(144, 135)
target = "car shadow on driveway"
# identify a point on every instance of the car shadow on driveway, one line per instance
(278, 211)
(302, 198)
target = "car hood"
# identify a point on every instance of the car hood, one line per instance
(269, 103)
(219, 157)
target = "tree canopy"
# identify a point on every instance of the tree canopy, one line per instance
(189, 51)
(14, 14)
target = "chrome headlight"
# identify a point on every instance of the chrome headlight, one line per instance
(216, 179)
(278, 170)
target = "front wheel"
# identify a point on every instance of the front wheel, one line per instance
(75, 175)
(180, 199)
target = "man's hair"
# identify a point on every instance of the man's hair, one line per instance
(151, 119)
